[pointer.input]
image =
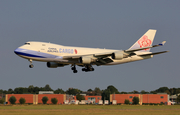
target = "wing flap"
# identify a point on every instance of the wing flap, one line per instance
(103, 61)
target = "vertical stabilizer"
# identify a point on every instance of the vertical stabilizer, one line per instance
(145, 41)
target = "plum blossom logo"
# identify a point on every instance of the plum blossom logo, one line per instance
(75, 51)
(144, 42)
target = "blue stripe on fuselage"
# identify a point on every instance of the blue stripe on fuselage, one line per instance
(31, 53)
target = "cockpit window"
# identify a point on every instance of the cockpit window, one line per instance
(27, 43)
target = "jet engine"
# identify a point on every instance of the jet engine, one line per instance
(54, 65)
(118, 55)
(85, 60)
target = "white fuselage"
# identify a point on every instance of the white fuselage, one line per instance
(48, 52)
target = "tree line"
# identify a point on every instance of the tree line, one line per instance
(97, 91)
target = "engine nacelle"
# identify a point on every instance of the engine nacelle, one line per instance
(117, 55)
(54, 65)
(85, 60)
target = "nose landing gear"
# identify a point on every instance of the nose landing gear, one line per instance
(31, 65)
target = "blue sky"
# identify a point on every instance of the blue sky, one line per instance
(114, 24)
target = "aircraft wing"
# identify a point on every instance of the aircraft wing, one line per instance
(104, 58)
(99, 55)
(73, 57)
(133, 50)
(101, 58)
(103, 61)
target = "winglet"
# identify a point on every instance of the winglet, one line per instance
(162, 43)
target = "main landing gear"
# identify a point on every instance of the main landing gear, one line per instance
(74, 68)
(31, 65)
(88, 68)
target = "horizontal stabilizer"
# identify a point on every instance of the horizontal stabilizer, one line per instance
(154, 53)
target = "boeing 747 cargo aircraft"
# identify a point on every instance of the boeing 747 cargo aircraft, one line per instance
(59, 56)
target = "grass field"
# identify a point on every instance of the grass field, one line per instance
(89, 110)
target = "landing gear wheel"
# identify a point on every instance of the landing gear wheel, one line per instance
(31, 66)
(88, 68)
(74, 68)
(75, 71)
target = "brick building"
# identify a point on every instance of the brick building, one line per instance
(36, 98)
(28, 97)
(120, 98)
(60, 97)
(143, 98)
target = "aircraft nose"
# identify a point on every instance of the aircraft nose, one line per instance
(17, 51)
